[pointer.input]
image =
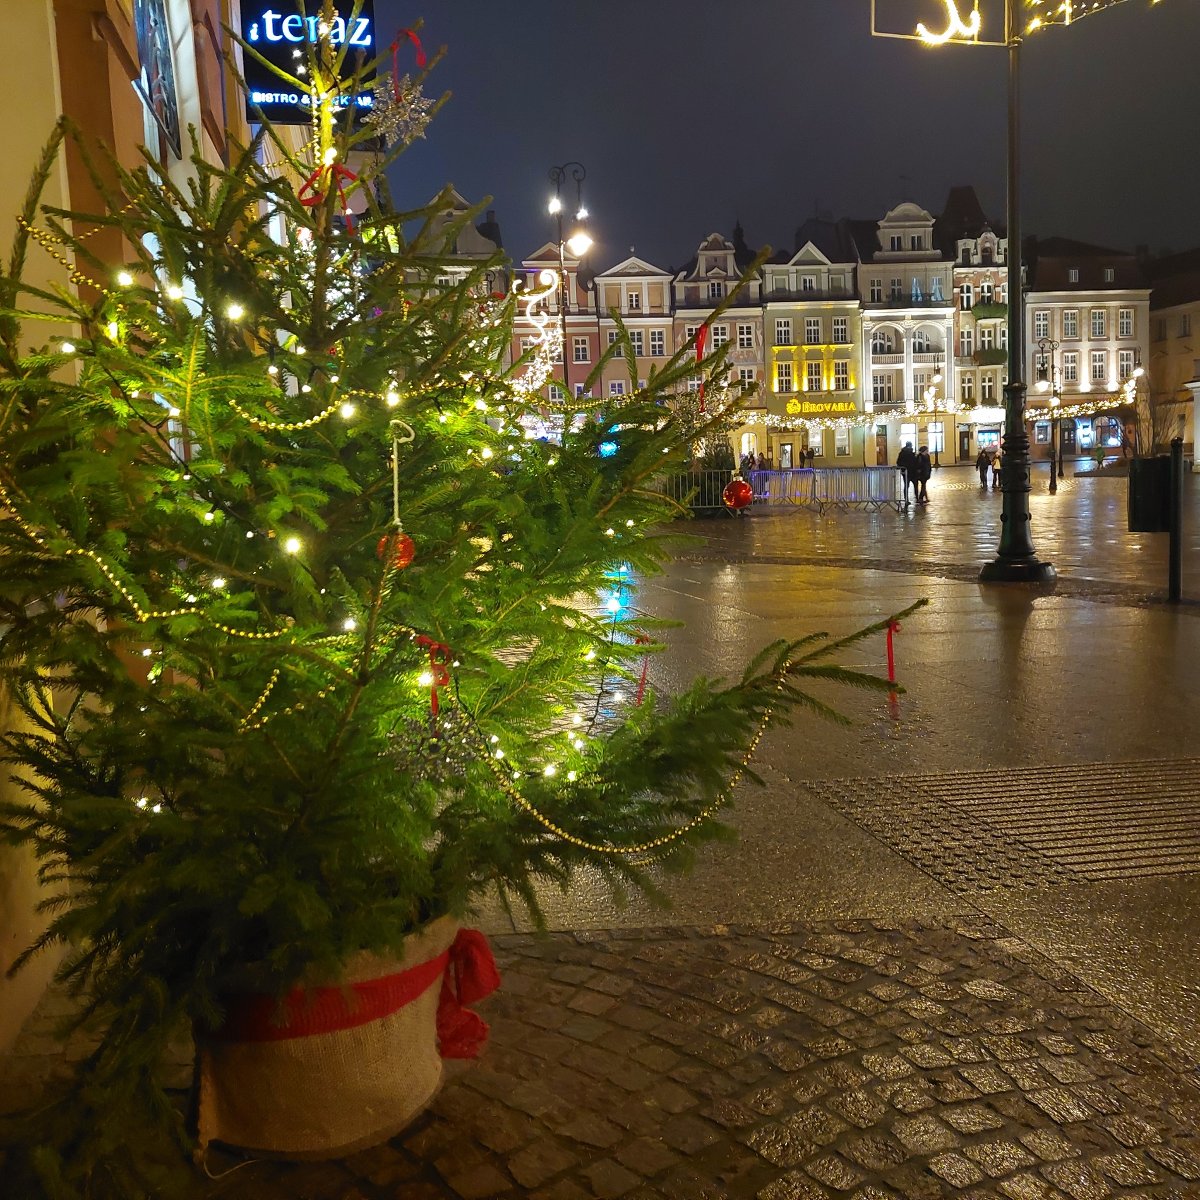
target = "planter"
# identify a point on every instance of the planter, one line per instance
(337, 1066)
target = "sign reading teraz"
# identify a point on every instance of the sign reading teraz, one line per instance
(283, 37)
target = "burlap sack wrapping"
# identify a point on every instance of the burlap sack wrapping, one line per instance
(329, 1094)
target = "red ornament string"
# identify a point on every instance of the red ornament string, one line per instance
(439, 675)
(643, 640)
(411, 35)
(892, 627)
(701, 342)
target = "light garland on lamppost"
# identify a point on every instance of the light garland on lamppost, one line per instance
(1048, 380)
(578, 242)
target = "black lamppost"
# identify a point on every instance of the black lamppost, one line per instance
(578, 242)
(1016, 560)
(1047, 380)
(933, 399)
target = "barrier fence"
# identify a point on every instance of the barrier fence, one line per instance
(819, 488)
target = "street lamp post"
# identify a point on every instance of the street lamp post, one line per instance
(932, 397)
(1047, 380)
(578, 242)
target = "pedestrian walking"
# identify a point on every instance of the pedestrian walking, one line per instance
(996, 465)
(765, 463)
(923, 471)
(747, 461)
(811, 455)
(906, 461)
(983, 464)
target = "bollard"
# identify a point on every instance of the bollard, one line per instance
(1175, 560)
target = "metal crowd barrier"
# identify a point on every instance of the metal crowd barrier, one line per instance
(871, 488)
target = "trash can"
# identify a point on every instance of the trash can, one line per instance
(1150, 494)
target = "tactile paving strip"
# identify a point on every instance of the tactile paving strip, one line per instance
(1033, 826)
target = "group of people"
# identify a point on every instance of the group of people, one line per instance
(988, 460)
(915, 468)
(763, 461)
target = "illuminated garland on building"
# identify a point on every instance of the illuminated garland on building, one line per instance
(1065, 12)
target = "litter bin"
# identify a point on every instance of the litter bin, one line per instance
(1150, 494)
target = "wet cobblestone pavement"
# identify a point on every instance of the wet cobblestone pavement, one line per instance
(953, 953)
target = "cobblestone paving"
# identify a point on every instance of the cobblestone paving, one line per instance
(1059, 824)
(861, 1060)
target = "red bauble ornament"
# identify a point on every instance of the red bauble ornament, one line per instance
(737, 494)
(397, 547)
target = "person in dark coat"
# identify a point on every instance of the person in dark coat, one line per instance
(924, 470)
(906, 461)
(997, 464)
(983, 465)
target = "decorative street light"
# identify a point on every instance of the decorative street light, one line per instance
(577, 241)
(932, 400)
(1048, 380)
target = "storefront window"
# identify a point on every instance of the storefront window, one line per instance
(1041, 432)
(935, 431)
(841, 442)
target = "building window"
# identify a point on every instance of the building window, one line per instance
(808, 283)
(881, 389)
(527, 344)
(616, 387)
(556, 393)
(745, 337)
(987, 337)
(1099, 323)
(916, 242)
(1041, 323)
(693, 383)
(1125, 322)
(896, 291)
(841, 376)
(881, 342)
(1110, 274)
(582, 391)
(812, 377)
(987, 388)
(746, 375)
(876, 291)
(635, 340)
(658, 343)
(1185, 325)
(966, 342)
(1071, 367)
(783, 331)
(633, 301)
(897, 241)
(783, 376)
(920, 342)
(812, 331)
(1070, 322)
(580, 352)
(1041, 432)
(967, 297)
(1072, 274)
(935, 432)
(841, 331)
(967, 389)
(841, 441)
(720, 335)
(908, 434)
(1124, 364)
(612, 337)
(716, 289)
(1099, 366)
(985, 292)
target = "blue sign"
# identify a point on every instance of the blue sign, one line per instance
(283, 36)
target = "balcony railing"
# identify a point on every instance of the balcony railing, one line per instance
(781, 294)
(907, 302)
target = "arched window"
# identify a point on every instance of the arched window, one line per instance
(881, 342)
(985, 292)
(920, 342)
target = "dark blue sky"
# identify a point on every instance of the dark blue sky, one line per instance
(688, 115)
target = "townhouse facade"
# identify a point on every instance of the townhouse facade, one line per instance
(870, 334)
(1174, 364)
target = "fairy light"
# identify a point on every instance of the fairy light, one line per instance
(425, 679)
(349, 624)
(114, 330)
(347, 410)
(235, 312)
(292, 545)
(486, 452)
(393, 398)
(124, 279)
(174, 292)
(67, 347)
(219, 583)
(272, 370)
(210, 516)
(549, 770)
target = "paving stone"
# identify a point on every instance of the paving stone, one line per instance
(970, 1118)
(609, 1179)
(815, 1125)
(779, 1145)
(1061, 1105)
(1078, 1180)
(1029, 1187)
(540, 1161)
(957, 1171)
(834, 1171)
(1131, 1130)
(1128, 1169)
(1000, 1157)
(591, 1129)
(480, 1181)
(792, 1186)
(873, 1151)
(924, 1134)
(858, 1107)
(1049, 1145)
(1179, 1162)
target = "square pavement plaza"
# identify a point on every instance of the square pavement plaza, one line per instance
(953, 952)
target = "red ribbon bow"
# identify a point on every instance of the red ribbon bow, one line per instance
(701, 342)
(310, 193)
(893, 627)
(439, 656)
(470, 976)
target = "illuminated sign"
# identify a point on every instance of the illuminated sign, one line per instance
(283, 38)
(821, 408)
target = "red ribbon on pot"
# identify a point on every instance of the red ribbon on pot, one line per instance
(439, 674)
(311, 193)
(471, 975)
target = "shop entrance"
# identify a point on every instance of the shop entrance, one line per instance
(964, 445)
(881, 446)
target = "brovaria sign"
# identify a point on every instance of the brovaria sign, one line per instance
(282, 36)
(821, 408)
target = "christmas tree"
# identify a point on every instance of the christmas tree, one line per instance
(313, 644)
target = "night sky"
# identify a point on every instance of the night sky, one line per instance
(690, 115)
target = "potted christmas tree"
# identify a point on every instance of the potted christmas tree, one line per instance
(316, 649)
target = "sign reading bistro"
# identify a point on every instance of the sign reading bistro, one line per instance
(821, 408)
(282, 38)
